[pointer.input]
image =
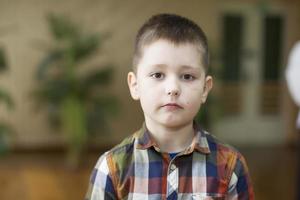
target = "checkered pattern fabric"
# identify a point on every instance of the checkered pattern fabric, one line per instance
(137, 169)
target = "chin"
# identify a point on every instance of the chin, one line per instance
(175, 123)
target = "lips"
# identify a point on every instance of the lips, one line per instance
(172, 106)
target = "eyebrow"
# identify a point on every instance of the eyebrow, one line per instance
(159, 65)
(163, 66)
(188, 67)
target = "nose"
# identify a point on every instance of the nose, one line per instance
(172, 87)
(173, 93)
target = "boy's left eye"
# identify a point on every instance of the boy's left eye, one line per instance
(188, 77)
(157, 75)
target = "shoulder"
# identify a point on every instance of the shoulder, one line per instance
(128, 144)
(233, 168)
(124, 146)
(119, 154)
(224, 153)
(226, 161)
(217, 145)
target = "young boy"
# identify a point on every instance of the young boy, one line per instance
(170, 157)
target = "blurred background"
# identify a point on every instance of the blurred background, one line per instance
(64, 98)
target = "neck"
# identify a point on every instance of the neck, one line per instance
(171, 139)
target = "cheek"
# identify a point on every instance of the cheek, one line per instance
(192, 105)
(150, 90)
(148, 96)
(193, 97)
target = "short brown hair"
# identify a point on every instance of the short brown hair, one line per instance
(174, 28)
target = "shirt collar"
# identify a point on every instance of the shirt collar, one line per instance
(199, 143)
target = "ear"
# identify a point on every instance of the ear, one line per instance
(207, 87)
(133, 86)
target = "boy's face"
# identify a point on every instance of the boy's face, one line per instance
(170, 83)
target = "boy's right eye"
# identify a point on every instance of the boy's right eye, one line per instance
(157, 75)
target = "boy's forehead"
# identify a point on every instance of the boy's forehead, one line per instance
(162, 53)
(168, 43)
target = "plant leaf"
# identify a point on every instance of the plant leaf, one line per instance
(52, 91)
(98, 113)
(47, 63)
(4, 97)
(3, 64)
(100, 77)
(85, 47)
(61, 27)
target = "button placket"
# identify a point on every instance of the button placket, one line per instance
(172, 178)
(172, 167)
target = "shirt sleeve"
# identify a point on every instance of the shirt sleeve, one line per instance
(240, 186)
(101, 185)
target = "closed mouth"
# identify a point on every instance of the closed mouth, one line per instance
(172, 105)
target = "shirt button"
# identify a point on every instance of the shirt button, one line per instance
(173, 167)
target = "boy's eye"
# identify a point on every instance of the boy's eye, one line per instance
(157, 75)
(188, 77)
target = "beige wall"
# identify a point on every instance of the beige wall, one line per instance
(25, 21)
(26, 25)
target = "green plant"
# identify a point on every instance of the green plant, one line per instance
(5, 129)
(77, 102)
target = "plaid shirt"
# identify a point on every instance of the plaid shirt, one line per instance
(137, 169)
